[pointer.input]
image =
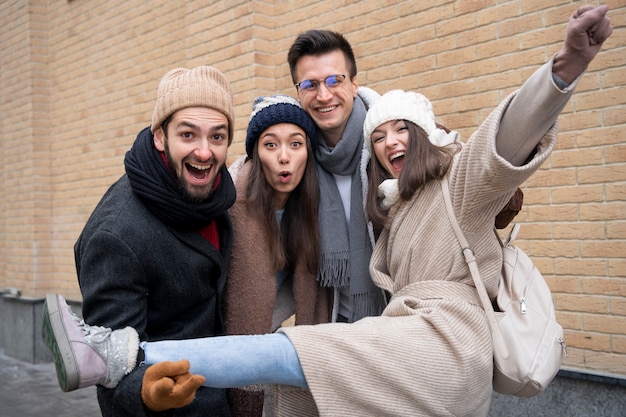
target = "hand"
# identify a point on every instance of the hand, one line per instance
(587, 29)
(169, 385)
(512, 208)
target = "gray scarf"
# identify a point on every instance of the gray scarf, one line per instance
(346, 249)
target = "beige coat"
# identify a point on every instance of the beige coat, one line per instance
(430, 354)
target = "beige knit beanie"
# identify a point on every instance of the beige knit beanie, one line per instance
(202, 86)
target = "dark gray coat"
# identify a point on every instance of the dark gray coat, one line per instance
(134, 270)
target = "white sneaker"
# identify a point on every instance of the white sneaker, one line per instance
(86, 355)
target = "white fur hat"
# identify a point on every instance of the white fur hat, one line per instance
(404, 105)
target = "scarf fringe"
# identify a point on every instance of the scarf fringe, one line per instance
(371, 303)
(334, 270)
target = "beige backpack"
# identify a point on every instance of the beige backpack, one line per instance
(528, 345)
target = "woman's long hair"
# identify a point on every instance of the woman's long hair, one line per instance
(423, 162)
(297, 237)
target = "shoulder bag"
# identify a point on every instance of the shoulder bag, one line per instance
(528, 346)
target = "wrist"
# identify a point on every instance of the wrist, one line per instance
(567, 66)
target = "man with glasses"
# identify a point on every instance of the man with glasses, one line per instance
(323, 69)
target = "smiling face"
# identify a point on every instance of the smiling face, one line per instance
(283, 155)
(390, 141)
(195, 146)
(329, 108)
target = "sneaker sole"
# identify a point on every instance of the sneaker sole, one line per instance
(55, 337)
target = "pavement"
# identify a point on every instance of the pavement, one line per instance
(31, 390)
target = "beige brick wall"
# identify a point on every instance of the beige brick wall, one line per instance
(78, 80)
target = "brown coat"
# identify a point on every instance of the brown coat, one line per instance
(250, 295)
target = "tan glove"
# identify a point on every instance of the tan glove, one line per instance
(169, 385)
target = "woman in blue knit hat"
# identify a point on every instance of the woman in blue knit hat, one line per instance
(272, 272)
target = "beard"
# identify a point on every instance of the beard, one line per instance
(189, 194)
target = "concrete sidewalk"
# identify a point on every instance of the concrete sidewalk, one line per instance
(31, 390)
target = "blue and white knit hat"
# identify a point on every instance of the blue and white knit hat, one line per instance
(271, 110)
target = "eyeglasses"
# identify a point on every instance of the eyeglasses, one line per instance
(331, 81)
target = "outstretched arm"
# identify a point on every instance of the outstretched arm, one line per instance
(219, 362)
(539, 102)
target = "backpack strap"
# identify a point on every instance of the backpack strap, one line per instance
(510, 238)
(468, 254)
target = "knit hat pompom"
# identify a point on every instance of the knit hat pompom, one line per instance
(202, 86)
(404, 105)
(270, 110)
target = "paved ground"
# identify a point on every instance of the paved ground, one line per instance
(29, 390)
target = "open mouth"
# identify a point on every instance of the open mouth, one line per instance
(326, 109)
(397, 161)
(284, 176)
(198, 172)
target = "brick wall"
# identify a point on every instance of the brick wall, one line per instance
(78, 80)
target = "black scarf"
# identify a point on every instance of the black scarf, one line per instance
(155, 184)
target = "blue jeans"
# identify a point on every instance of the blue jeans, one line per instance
(234, 361)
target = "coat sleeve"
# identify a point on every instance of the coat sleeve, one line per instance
(113, 283)
(114, 295)
(125, 402)
(530, 115)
